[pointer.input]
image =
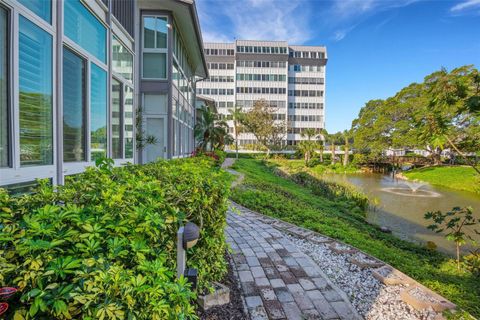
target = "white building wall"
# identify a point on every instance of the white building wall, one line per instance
(313, 56)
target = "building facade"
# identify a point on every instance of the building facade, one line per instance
(290, 78)
(74, 75)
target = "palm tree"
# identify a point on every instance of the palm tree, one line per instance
(346, 146)
(331, 139)
(307, 147)
(210, 133)
(237, 115)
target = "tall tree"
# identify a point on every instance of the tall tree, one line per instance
(307, 147)
(450, 121)
(236, 114)
(211, 133)
(346, 136)
(260, 121)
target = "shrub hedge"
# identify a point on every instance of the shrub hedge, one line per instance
(104, 245)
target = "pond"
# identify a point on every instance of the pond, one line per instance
(402, 205)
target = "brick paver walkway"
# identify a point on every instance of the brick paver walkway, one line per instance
(278, 280)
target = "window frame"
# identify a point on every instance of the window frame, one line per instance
(116, 74)
(9, 87)
(78, 167)
(154, 50)
(123, 84)
(86, 110)
(16, 173)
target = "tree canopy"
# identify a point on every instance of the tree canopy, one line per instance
(441, 112)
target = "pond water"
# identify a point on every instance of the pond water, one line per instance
(402, 205)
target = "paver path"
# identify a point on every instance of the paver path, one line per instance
(277, 279)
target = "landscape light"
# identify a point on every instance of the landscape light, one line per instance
(191, 233)
(187, 237)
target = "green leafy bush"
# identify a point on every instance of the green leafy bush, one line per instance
(103, 246)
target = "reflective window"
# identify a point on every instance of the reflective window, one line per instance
(42, 8)
(129, 121)
(154, 57)
(35, 94)
(74, 109)
(116, 119)
(82, 27)
(122, 60)
(154, 65)
(98, 112)
(4, 128)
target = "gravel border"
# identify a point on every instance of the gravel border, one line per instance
(371, 298)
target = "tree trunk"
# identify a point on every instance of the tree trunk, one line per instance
(345, 157)
(333, 153)
(458, 256)
(236, 142)
(321, 155)
(463, 155)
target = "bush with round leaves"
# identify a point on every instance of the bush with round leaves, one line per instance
(103, 246)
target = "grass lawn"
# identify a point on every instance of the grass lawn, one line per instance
(458, 177)
(267, 193)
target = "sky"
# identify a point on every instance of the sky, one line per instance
(374, 47)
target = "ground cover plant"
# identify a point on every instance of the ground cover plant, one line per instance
(265, 191)
(454, 177)
(103, 246)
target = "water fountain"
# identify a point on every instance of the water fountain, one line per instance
(414, 186)
(414, 190)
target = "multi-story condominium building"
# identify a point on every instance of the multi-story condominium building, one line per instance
(290, 78)
(73, 74)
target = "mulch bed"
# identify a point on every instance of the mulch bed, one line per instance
(233, 310)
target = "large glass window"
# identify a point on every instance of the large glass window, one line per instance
(154, 47)
(83, 28)
(4, 128)
(98, 112)
(128, 119)
(122, 60)
(116, 119)
(42, 8)
(35, 95)
(155, 65)
(74, 109)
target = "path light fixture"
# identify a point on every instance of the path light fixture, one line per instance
(187, 237)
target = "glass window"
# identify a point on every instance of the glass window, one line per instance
(42, 8)
(35, 95)
(154, 65)
(122, 60)
(154, 43)
(149, 32)
(98, 112)
(4, 128)
(116, 119)
(83, 28)
(162, 30)
(128, 119)
(155, 32)
(74, 129)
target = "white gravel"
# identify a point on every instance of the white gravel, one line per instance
(372, 299)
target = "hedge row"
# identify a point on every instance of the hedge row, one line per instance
(104, 245)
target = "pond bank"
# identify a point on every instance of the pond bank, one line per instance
(462, 178)
(269, 194)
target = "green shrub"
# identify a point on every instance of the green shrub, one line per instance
(103, 246)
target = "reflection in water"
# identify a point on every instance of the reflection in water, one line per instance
(401, 210)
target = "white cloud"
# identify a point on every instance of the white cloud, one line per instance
(213, 36)
(339, 35)
(344, 15)
(465, 6)
(256, 20)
